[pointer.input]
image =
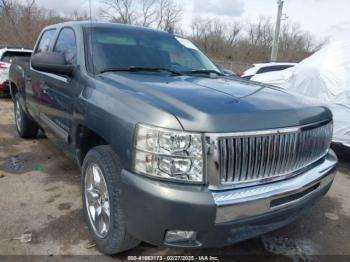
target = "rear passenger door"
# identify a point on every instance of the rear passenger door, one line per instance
(57, 113)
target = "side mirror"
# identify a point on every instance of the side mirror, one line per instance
(52, 62)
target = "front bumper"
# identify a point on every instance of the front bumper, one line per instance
(220, 217)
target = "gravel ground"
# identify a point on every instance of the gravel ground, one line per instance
(40, 197)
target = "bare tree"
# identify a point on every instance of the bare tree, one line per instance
(161, 14)
(121, 11)
(296, 44)
(7, 7)
(5, 4)
(214, 36)
(261, 33)
(21, 23)
(78, 16)
(233, 33)
(149, 13)
(250, 43)
(201, 31)
(169, 15)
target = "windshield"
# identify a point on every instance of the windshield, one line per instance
(123, 48)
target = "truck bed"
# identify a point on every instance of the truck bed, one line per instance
(17, 72)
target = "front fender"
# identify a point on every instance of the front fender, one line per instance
(113, 114)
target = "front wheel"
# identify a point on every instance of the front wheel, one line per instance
(26, 127)
(102, 201)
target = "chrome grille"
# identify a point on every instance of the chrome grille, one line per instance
(255, 156)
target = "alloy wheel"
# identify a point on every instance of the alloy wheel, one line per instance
(97, 200)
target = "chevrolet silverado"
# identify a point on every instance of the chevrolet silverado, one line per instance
(171, 151)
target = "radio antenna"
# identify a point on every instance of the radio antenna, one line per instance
(91, 42)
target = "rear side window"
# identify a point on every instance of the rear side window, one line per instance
(272, 68)
(45, 41)
(66, 45)
(8, 56)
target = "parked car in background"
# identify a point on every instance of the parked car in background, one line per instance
(7, 55)
(172, 152)
(275, 78)
(264, 68)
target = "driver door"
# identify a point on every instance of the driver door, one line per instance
(57, 107)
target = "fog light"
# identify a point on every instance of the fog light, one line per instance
(176, 236)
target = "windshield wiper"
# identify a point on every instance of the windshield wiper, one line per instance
(140, 68)
(205, 71)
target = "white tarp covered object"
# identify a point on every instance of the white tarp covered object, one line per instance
(324, 76)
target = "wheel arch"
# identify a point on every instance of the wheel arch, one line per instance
(86, 139)
(13, 89)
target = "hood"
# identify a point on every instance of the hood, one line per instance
(220, 104)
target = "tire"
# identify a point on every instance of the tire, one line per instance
(26, 127)
(114, 238)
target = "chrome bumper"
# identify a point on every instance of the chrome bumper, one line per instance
(257, 200)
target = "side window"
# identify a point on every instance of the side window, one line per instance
(266, 69)
(45, 41)
(66, 45)
(284, 67)
(273, 68)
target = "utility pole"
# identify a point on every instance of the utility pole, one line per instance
(276, 36)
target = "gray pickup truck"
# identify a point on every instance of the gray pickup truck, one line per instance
(171, 151)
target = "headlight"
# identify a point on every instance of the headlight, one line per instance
(168, 154)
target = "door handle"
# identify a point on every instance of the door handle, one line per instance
(44, 89)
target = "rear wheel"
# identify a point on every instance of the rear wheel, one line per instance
(102, 201)
(26, 127)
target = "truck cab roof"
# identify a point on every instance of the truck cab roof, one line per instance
(87, 23)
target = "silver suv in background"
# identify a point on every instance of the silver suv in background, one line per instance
(264, 68)
(7, 55)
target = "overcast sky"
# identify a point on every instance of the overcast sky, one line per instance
(320, 17)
